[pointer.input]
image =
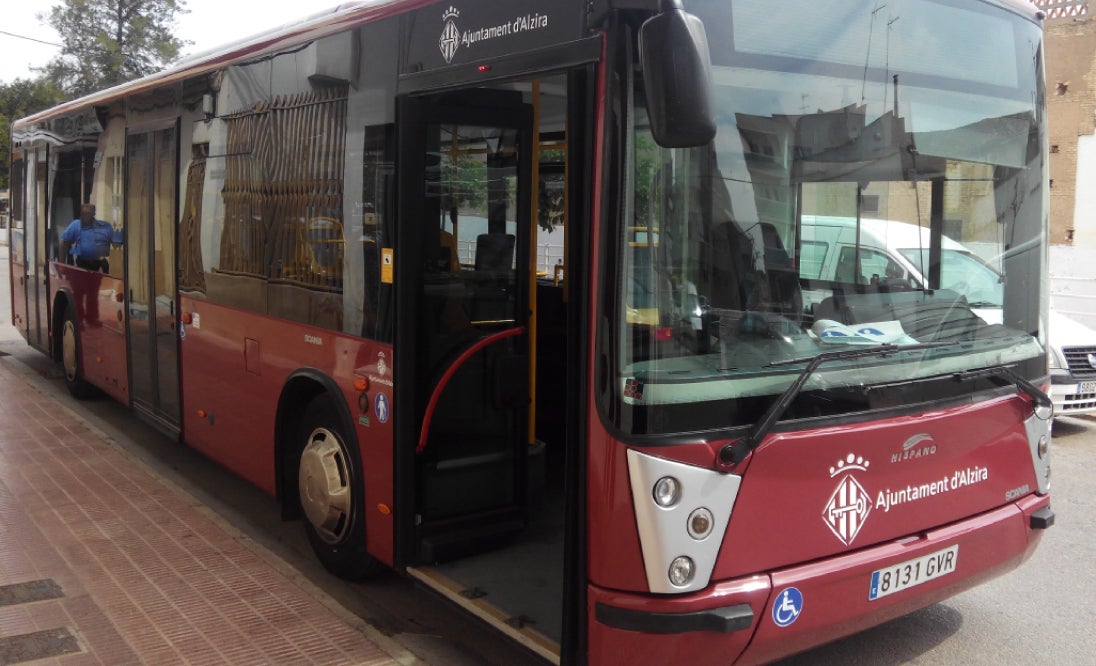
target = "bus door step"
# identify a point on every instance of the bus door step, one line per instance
(456, 539)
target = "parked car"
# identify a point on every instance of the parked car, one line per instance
(893, 251)
(1072, 359)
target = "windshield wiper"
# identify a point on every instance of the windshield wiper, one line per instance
(1007, 373)
(735, 452)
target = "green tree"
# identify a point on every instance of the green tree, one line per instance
(108, 42)
(20, 98)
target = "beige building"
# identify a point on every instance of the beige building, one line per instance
(1070, 45)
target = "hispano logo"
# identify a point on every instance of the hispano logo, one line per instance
(849, 504)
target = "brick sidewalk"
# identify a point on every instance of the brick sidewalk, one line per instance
(102, 562)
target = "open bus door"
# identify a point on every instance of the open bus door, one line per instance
(490, 348)
(463, 316)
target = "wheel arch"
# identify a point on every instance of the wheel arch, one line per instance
(302, 386)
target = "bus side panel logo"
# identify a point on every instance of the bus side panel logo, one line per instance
(850, 504)
(450, 35)
(787, 607)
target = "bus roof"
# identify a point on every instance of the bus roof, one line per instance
(314, 26)
(1030, 8)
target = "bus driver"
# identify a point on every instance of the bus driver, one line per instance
(88, 240)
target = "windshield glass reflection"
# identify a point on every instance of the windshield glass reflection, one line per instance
(862, 190)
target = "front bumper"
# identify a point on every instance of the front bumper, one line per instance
(733, 621)
(1071, 397)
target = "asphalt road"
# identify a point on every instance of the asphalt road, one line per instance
(1039, 614)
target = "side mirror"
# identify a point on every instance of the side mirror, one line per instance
(673, 51)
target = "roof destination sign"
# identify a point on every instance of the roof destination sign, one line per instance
(461, 33)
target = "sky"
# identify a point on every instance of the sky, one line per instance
(210, 23)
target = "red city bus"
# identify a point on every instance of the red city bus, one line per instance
(516, 298)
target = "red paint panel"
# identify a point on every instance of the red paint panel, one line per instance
(614, 558)
(373, 361)
(835, 590)
(237, 429)
(813, 483)
(239, 395)
(835, 596)
(838, 489)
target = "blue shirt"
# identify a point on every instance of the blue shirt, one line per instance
(89, 243)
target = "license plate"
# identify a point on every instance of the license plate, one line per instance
(1086, 387)
(910, 573)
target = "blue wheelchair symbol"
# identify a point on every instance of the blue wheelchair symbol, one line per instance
(380, 406)
(787, 607)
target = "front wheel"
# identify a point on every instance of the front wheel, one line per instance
(71, 354)
(329, 485)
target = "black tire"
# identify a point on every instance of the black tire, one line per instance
(72, 356)
(331, 493)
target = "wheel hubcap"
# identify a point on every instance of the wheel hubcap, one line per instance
(68, 351)
(324, 483)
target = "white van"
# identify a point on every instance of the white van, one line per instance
(891, 254)
(1072, 358)
(896, 254)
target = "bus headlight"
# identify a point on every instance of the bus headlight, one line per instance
(681, 514)
(682, 570)
(700, 524)
(667, 492)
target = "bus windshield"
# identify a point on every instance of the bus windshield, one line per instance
(876, 179)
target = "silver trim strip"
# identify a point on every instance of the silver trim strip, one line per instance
(1037, 429)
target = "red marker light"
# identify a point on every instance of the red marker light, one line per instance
(482, 69)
